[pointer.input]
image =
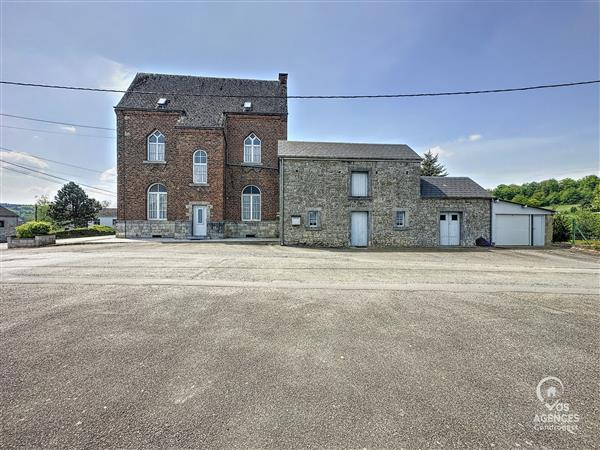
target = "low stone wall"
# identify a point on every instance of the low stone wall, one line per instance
(177, 229)
(265, 229)
(182, 229)
(37, 241)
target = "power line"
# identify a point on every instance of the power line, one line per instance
(57, 132)
(422, 94)
(57, 177)
(41, 177)
(57, 123)
(51, 160)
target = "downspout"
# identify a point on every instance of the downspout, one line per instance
(491, 219)
(281, 203)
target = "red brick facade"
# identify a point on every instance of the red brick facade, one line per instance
(269, 129)
(227, 174)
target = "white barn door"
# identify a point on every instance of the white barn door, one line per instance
(539, 230)
(449, 228)
(359, 228)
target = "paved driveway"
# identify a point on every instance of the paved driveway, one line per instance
(146, 344)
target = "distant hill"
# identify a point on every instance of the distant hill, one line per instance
(26, 212)
(584, 192)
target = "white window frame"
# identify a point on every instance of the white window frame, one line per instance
(158, 198)
(253, 215)
(316, 217)
(155, 150)
(200, 169)
(354, 188)
(252, 149)
(403, 212)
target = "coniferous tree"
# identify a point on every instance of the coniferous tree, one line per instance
(431, 167)
(72, 205)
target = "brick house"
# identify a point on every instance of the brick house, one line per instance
(197, 156)
(337, 195)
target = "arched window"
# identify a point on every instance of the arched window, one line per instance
(200, 167)
(157, 202)
(156, 146)
(251, 204)
(252, 149)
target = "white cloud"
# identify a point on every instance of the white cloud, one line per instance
(68, 128)
(115, 75)
(437, 150)
(23, 158)
(474, 137)
(109, 175)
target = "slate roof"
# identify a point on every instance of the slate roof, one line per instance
(451, 187)
(204, 111)
(5, 212)
(339, 150)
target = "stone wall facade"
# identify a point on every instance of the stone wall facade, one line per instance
(182, 229)
(324, 186)
(9, 224)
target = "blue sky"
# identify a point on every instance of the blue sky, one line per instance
(327, 48)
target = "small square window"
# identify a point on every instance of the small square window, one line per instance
(400, 219)
(313, 219)
(295, 220)
(1, 223)
(442, 216)
(454, 216)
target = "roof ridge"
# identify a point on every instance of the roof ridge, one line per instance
(340, 143)
(202, 77)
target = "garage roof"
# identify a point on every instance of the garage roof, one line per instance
(451, 187)
(5, 212)
(212, 97)
(342, 150)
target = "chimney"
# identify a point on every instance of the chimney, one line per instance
(283, 79)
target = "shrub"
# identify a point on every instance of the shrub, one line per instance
(561, 229)
(94, 230)
(32, 229)
(588, 225)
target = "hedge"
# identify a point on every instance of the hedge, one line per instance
(94, 230)
(32, 229)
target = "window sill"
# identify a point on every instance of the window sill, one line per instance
(249, 164)
(251, 221)
(313, 228)
(367, 197)
(157, 220)
(154, 162)
(401, 228)
(199, 184)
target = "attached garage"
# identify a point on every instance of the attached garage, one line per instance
(520, 225)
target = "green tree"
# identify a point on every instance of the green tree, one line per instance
(42, 207)
(596, 199)
(561, 228)
(431, 167)
(72, 206)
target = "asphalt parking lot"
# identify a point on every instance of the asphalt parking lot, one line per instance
(148, 344)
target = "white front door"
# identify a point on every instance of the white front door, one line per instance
(539, 230)
(449, 228)
(359, 229)
(199, 222)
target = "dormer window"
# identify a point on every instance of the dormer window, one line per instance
(161, 103)
(252, 148)
(247, 106)
(156, 146)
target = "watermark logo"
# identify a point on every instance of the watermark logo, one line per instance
(559, 417)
